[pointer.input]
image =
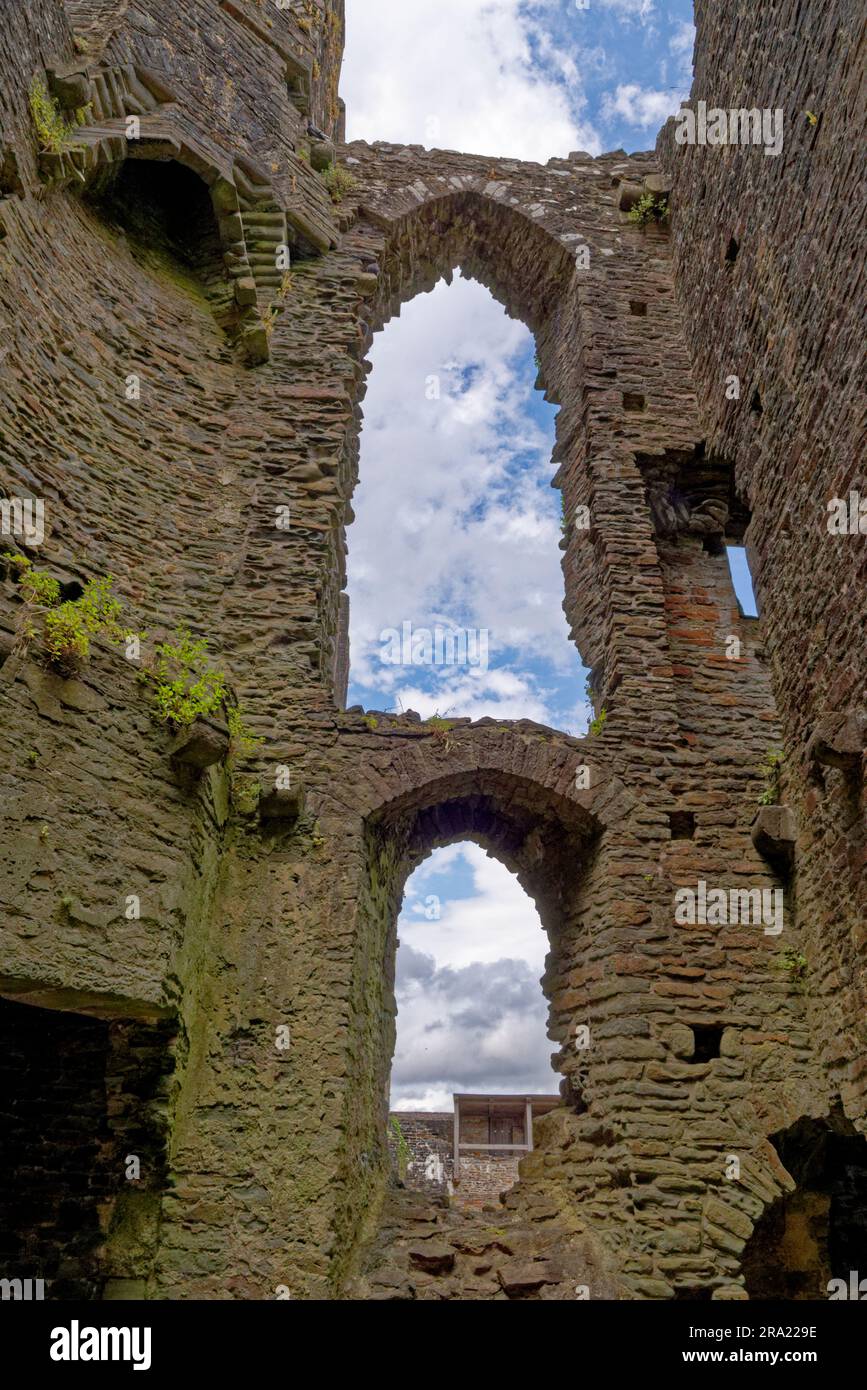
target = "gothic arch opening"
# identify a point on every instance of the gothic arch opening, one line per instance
(471, 1023)
(455, 580)
(818, 1232)
(548, 840)
(532, 275)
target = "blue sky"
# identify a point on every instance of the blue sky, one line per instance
(521, 78)
(455, 501)
(456, 521)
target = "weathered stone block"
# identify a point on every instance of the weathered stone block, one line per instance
(322, 154)
(433, 1256)
(840, 740)
(245, 290)
(283, 804)
(729, 1218)
(203, 744)
(71, 89)
(519, 1277)
(774, 834)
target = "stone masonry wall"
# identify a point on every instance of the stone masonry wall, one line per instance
(785, 316)
(484, 1178)
(266, 941)
(422, 1158)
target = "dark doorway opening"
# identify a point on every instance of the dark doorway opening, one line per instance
(166, 213)
(79, 1098)
(818, 1232)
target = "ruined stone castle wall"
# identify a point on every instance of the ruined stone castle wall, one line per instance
(769, 267)
(263, 957)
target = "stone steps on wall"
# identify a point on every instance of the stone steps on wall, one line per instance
(264, 234)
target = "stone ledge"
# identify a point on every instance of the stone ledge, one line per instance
(839, 740)
(774, 833)
(283, 803)
(202, 745)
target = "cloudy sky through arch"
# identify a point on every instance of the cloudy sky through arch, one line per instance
(471, 1012)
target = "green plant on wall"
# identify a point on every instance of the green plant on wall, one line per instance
(36, 586)
(771, 769)
(338, 181)
(245, 792)
(65, 630)
(651, 207)
(56, 134)
(794, 965)
(598, 724)
(241, 737)
(186, 687)
(184, 684)
(70, 626)
(441, 728)
(270, 315)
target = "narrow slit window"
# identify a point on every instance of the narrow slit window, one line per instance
(742, 580)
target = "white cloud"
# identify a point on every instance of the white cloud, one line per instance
(458, 74)
(628, 9)
(682, 46)
(499, 694)
(429, 1099)
(456, 523)
(497, 921)
(683, 39)
(471, 1012)
(640, 106)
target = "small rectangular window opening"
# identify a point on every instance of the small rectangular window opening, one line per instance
(707, 1041)
(682, 825)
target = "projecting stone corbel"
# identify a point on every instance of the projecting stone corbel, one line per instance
(839, 740)
(774, 833)
(285, 804)
(203, 744)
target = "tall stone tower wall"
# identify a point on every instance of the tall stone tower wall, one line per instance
(219, 947)
(769, 265)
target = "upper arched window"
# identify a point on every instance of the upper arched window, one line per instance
(454, 569)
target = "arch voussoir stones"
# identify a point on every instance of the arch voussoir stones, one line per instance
(416, 768)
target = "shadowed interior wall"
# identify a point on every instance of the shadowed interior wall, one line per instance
(265, 937)
(79, 1099)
